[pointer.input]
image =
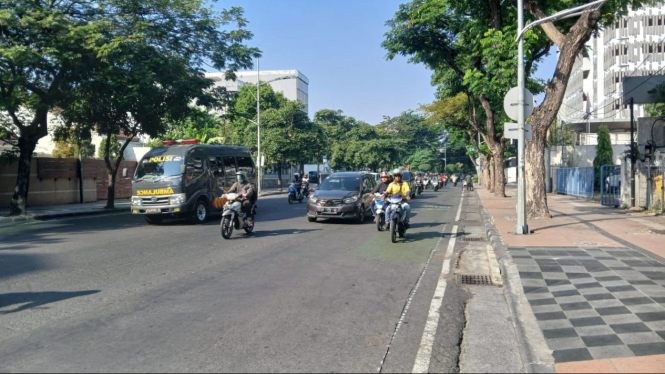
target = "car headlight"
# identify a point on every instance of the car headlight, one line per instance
(313, 199)
(177, 199)
(136, 200)
(350, 200)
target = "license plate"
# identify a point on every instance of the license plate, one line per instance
(329, 210)
(153, 210)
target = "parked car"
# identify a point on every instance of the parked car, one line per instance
(376, 176)
(344, 195)
(409, 178)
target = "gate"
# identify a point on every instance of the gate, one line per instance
(610, 185)
(575, 181)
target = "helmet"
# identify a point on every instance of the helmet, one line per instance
(384, 174)
(397, 172)
(241, 172)
(296, 174)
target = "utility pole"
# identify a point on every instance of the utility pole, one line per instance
(521, 227)
(258, 126)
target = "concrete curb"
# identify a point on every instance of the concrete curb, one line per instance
(536, 355)
(9, 221)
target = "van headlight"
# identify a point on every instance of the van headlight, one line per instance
(313, 199)
(136, 200)
(350, 200)
(176, 199)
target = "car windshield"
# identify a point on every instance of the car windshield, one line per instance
(340, 184)
(159, 167)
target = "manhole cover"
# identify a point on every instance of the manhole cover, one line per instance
(477, 280)
(465, 239)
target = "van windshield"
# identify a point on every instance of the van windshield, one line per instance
(340, 184)
(158, 167)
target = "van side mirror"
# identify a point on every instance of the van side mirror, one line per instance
(182, 169)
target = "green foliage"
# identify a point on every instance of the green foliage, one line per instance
(197, 124)
(114, 149)
(657, 109)
(604, 154)
(424, 160)
(67, 141)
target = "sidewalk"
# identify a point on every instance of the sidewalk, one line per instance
(591, 279)
(69, 210)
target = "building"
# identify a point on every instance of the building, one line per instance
(292, 83)
(632, 46)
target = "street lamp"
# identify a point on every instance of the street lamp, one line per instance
(521, 228)
(258, 118)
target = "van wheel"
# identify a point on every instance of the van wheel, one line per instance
(311, 219)
(200, 214)
(153, 219)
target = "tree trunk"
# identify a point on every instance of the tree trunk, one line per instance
(544, 115)
(490, 187)
(499, 186)
(534, 171)
(19, 201)
(279, 176)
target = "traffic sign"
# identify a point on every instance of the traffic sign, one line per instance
(510, 131)
(511, 105)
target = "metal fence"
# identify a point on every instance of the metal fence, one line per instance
(653, 188)
(610, 185)
(575, 181)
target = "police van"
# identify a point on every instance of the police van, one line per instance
(184, 179)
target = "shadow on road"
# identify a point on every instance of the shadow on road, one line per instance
(261, 234)
(36, 299)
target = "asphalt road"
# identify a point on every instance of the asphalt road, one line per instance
(111, 293)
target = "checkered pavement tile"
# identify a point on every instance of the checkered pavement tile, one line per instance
(595, 303)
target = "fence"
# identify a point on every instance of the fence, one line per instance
(575, 181)
(610, 185)
(652, 187)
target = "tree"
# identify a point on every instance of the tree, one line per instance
(68, 140)
(471, 50)
(44, 51)
(110, 148)
(423, 160)
(144, 74)
(569, 36)
(604, 154)
(657, 109)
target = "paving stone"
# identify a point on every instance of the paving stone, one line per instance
(594, 330)
(647, 349)
(551, 301)
(599, 296)
(613, 310)
(641, 337)
(626, 328)
(560, 333)
(637, 301)
(605, 303)
(651, 316)
(565, 343)
(568, 355)
(549, 316)
(601, 340)
(612, 351)
(587, 321)
(575, 305)
(646, 308)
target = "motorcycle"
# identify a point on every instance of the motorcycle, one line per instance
(455, 183)
(380, 211)
(426, 183)
(396, 215)
(436, 185)
(305, 189)
(469, 186)
(233, 217)
(419, 186)
(294, 194)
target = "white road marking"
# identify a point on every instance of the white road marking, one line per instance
(408, 301)
(424, 354)
(459, 211)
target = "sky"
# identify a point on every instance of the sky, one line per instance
(337, 45)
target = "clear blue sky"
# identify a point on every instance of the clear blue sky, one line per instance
(337, 45)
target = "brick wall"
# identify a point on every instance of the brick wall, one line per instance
(97, 169)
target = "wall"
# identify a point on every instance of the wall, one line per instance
(56, 181)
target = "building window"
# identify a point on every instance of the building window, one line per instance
(650, 48)
(650, 21)
(625, 23)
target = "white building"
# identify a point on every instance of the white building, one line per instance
(632, 46)
(293, 84)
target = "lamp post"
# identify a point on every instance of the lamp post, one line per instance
(521, 227)
(258, 119)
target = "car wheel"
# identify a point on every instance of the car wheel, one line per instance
(311, 219)
(200, 214)
(153, 219)
(361, 215)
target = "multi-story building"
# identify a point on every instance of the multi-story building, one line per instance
(633, 46)
(292, 83)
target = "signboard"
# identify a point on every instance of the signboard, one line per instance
(643, 90)
(511, 105)
(510, 131)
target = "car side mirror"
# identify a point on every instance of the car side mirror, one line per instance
(182, 169)
(367, 190)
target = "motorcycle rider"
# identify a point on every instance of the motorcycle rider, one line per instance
(245, 190)
(305, 183)
(397, 187)
(469, 182)
(298, 182)
(381, 188)
(440, 180)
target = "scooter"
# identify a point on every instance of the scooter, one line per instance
(396, 215)
(233, 217)
(436, 185)
(379, 209)
(305, 189)
(426, 183)
(293, 194)
(419, 187)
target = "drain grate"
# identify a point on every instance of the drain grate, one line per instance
(476, 280)
(465, 239)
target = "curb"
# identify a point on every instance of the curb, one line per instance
(9, 221)
(536, 355)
